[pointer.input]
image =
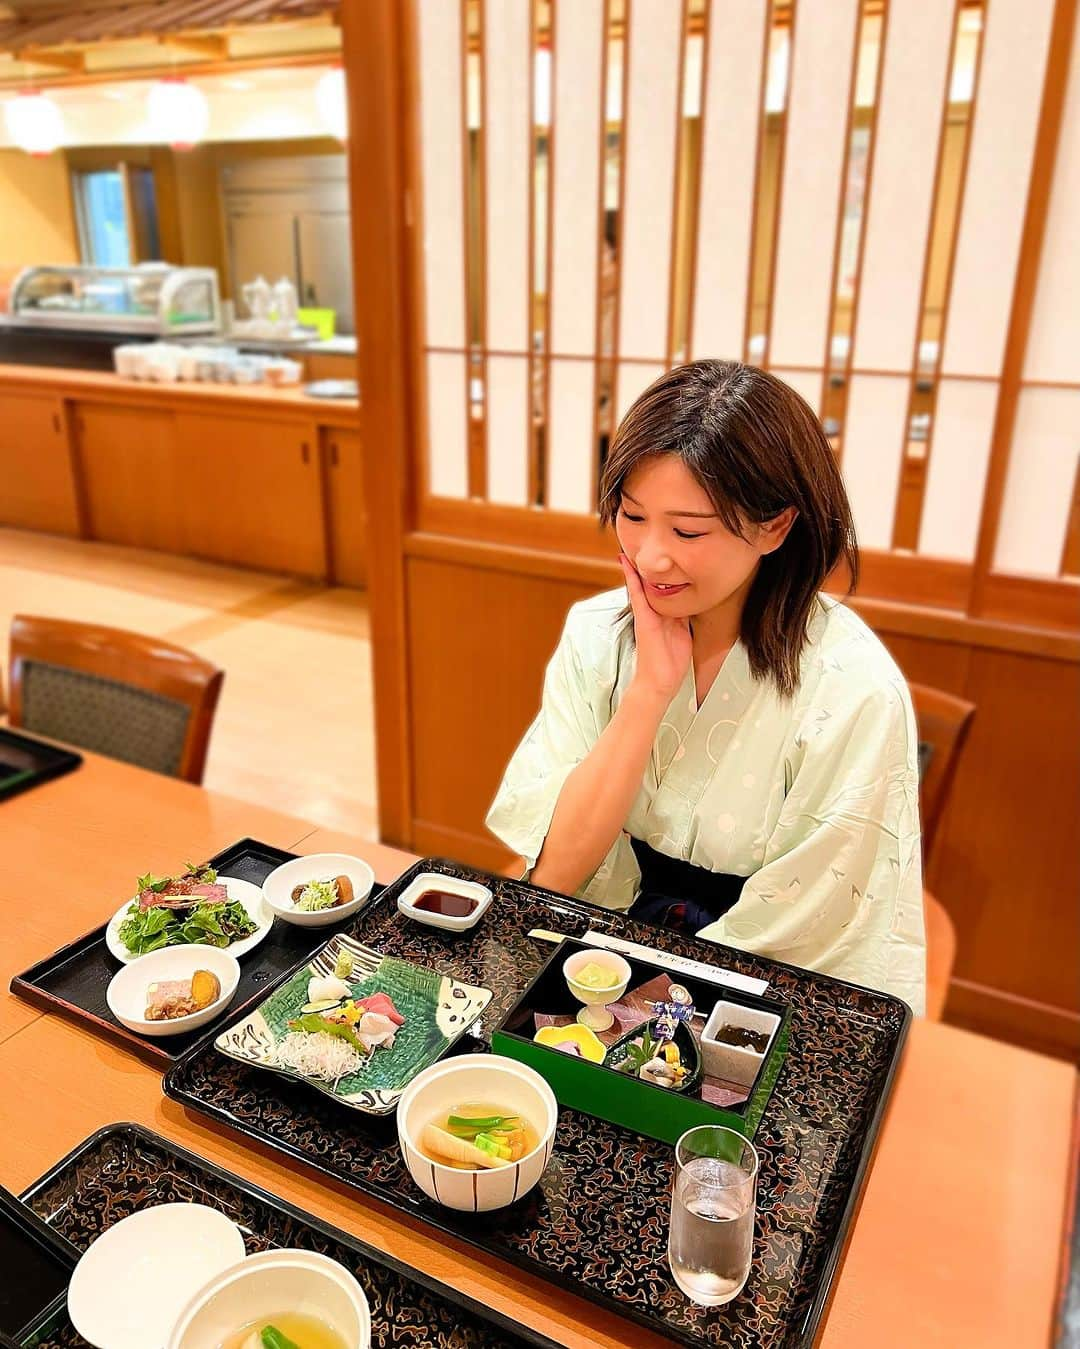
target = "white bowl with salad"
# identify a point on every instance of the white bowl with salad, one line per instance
(196, 907)
(319, 890)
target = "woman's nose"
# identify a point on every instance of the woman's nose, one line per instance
(653, 558)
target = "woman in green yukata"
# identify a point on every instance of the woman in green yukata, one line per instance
(734, 753)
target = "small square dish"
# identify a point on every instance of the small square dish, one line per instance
(736, 1040)
(363, 1056)
(444, 901)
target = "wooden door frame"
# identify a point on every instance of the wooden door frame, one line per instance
(382, 108)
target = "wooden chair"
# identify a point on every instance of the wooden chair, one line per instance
(117, 693)
(943, 721)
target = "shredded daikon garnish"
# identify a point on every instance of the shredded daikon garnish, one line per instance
(327, 1057)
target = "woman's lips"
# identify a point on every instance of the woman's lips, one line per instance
(665, 592)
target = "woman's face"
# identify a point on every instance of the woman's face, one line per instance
(688, 560)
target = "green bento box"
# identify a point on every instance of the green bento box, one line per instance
(622, 1098)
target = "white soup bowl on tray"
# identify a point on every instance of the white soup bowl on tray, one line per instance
(495, 1080)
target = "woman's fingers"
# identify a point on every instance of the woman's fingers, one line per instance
(643, 611)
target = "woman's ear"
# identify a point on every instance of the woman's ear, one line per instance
(772, 533)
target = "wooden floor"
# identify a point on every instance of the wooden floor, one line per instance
(294, 728)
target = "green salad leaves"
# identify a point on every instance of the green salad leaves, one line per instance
(204, 923)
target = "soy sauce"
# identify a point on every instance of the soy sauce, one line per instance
(441, 901)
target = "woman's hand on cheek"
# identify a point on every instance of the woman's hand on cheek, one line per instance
(664, 645)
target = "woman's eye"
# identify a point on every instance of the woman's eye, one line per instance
(634, 519)
(684, 535)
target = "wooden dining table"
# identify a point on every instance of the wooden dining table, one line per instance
(960, 1236)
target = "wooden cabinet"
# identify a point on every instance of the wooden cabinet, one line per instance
(134, 481)
(252, 491)
(347, 508)
(37, 484)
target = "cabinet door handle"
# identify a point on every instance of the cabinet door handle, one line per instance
(333, 454)
(56, 422)
(305, 452)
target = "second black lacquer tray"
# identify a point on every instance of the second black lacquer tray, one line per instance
(123, 1168)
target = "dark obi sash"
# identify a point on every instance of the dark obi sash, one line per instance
(679, 895)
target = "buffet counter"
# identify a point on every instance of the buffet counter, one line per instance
(243, 474)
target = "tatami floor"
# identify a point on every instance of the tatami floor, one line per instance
(294, 728)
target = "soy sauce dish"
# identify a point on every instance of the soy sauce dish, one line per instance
(444, 901)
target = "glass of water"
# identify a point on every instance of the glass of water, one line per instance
(713, 1200)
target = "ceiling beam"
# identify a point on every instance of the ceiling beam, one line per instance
(161, 70)
(210, 48)
(72, 63)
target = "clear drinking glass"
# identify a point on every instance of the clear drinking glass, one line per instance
(713, 1200)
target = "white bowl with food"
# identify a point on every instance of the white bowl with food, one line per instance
(308, 1298)
(133, 1282)
(186, 909)
(174, 990)
(318, 890)
(490, 1115)
(444, 901)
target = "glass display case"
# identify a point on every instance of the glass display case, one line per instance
(153, 298)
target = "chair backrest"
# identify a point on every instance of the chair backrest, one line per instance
(117, 693)
(943, 721)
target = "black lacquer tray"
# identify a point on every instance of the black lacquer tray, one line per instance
(597, 1224)
(73, 980)
(26, 761)
(124, 1167)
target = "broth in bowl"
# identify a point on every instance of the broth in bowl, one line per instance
(477, 1136)
(287, 1330)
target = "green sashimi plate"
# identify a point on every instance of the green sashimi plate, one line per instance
(436, 1008)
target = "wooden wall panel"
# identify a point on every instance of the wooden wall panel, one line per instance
(479, 643)
(1009, 864)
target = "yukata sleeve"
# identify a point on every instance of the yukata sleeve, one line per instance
(840, 887)
(563, 733)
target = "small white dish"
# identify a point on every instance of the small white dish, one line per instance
(321, 866)
(249, 895)
(434, 880)
(477, 1077)
(134, 1280)
(735, 1063)
(594, 1013)
(126, 993)
(264, 1286)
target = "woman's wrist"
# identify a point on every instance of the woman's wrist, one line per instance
(647, 698)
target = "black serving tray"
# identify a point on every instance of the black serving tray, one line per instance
(597, 1223)
(73, 980)
(124, 1167)
(37, 1268)
(27, 762)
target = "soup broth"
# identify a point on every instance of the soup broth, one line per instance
(306, 1332)
(478, 1124)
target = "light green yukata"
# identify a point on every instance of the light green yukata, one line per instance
(815, 799)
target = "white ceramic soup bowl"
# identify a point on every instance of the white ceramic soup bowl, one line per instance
(321, 866)
(126, 993)
(268, 1284)
(476, 1077)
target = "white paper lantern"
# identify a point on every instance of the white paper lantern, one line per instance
(178, 112)
(34, 123)
(330, 100)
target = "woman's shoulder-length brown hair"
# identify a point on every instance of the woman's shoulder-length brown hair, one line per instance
(756, 448)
